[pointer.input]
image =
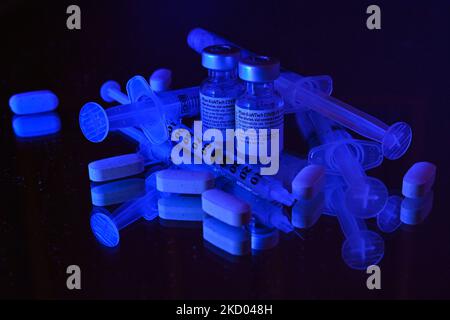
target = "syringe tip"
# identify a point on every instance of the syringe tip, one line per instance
(106, 87)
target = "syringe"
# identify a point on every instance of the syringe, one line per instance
(300, 93)
(146, 110)
(362, 247)
(246, 175)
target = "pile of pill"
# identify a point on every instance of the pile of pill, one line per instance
(242, 208)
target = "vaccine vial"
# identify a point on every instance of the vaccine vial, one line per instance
(219, 91)
(260, 107)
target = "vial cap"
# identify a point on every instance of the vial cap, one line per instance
(259, 69)
(220, 57)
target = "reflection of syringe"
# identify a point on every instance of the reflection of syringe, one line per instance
(300, 92)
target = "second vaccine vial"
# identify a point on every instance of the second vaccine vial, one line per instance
(219, 91)
(260, 109)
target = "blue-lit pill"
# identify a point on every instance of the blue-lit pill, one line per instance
(415, 210)
(419, 180)
(117, 192)
(36, 125)
(262, 237)
(184, 181)
(305, 213)
(388, 220)
(33, 102)
(160, 80)
(226, 207)
(308, 182)
(183, 208)
(116, 167)
(234, 240)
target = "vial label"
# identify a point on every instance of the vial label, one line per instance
(258, 119)
(217, 113)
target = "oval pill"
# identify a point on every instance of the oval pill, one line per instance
(33, 102)
(36, 125)
(116, 167)
(308, 182)
(183, 208)
(226, 207)
(160, 80)
(419, 179)
(234, 240)
(184, 181)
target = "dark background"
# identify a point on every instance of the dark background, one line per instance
(397, 73)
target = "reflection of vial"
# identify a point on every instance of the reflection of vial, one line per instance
(260, 107)
(219, 91)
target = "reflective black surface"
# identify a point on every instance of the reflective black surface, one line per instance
(397, 73)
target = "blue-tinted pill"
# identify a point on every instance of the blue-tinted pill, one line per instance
(305, 213)
(33, 102)
(419, 180)
(116, 167)
(160, 80)
(363, 249)
(388, 220)
(36, 125)
(117, 191)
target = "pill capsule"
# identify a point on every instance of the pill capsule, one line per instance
(33, 102)
(308, 182)
(226, 207)
(183, 208)
(116, 167)
(419, 179)
(184, 181)
(160, 80)
(234, 240)
(117, 192)
(305, 213)
(36, 125)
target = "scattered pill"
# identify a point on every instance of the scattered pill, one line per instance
(36, 125)
(226, 207)
(184, 181)
(234, 240)
(419, 179)
(160, 80)
(116, 167)
(184, 208)
(117, 192)
(33, 102)
(308, 182)
(305, 213)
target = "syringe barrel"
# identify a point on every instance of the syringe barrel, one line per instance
(180, 103)
(131, 115)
